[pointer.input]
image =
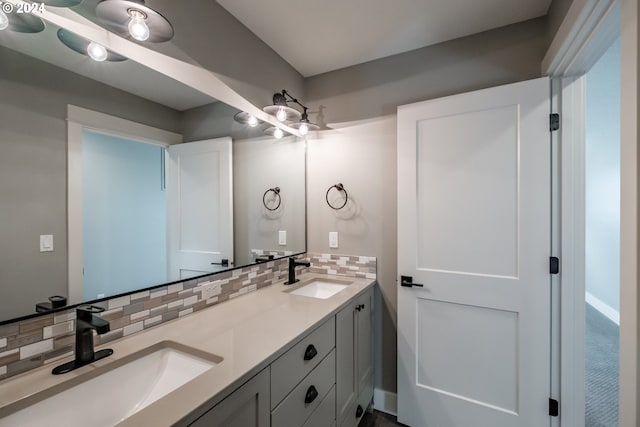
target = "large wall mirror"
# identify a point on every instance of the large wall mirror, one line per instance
(116, 178)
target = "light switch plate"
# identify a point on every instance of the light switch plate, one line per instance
(333, 239)
(46, 243)
(282, 237)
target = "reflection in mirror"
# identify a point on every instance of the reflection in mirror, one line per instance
(162, 184)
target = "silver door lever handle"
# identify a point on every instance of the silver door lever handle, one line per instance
(407, 281)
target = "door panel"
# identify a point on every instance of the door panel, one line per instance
(200, 206)
(474, 230)
(467, 226)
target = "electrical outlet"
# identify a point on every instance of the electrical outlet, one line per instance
(333, 239)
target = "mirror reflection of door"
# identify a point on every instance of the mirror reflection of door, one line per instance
(149, 218)
(124, 216)
(200, 208)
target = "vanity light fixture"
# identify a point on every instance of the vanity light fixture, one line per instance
(21, 22)
(304, 125)
(93, 50)
(275, 132)
(4, 20)
(60, 3)
(97, 52)
(246, 119)
(134, 19)
(290, 115)
(281, 110)
(137, 27)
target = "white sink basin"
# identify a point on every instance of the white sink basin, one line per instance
(320, 288)
(118, 393)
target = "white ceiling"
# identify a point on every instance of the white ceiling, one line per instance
(324, 35)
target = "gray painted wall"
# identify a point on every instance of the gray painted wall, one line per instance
(260, 164)
(602, 239)
(215, 121)
(362, 155)
(33, 139)
(555, 15)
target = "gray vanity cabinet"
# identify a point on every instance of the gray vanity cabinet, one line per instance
(354, 368)
(248, 406)
(324, 380)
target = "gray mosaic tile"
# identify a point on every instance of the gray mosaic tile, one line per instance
(22, 340)
(9, 329)
(24, 365)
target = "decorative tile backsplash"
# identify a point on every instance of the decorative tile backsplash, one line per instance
(263, 253)
(31, 343)
(343, 265)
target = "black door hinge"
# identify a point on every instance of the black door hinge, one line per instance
(554, 265)
(554, 122)
(554, 409)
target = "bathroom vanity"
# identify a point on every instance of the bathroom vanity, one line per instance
(276, 359)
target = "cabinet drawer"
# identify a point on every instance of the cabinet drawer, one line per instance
(290, 368)
(293, 411)
(325, 415)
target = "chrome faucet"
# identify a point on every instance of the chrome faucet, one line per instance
(292, 269)
(86, 322)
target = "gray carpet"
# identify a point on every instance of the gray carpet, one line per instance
(601, 365)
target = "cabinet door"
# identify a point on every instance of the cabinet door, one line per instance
(248, 406)
(346, 377)
(365, 343)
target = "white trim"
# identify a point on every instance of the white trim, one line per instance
(604, 308)
(385, 401)
(629, 181)
(556, 344)
(78, 119)
(111, 125)
(588, 29)
(572, 232)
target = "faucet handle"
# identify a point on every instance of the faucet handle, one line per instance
(85, 312)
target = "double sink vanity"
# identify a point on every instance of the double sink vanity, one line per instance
(298, 355)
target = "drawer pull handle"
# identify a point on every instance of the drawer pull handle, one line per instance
(359, 411)
(310, 352)
(312, 393)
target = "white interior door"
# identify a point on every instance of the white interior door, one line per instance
(474, 208)
(199, 207)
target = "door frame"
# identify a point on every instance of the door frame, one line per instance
(587, 31)
(79, 119)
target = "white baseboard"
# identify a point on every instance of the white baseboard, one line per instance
(608, 311)
(385, 401)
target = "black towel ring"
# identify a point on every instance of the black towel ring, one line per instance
(276, 191)
(338, 187)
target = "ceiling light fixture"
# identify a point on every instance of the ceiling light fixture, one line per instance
(134, 19)
(94, 50)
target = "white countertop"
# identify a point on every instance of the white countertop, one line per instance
(248, 332)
